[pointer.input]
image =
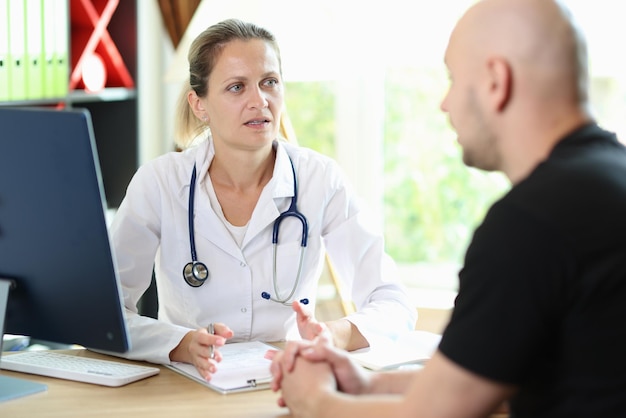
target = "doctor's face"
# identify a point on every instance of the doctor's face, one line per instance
(245, 95)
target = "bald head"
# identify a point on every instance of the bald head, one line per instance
(538, 38)
(519, 82)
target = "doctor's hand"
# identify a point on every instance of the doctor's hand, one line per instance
(196, 346)
(309, 327)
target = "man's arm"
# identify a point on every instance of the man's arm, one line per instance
(445, 389)
(441, 389)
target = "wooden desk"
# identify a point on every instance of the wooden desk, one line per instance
(432, 320)
(167, 394)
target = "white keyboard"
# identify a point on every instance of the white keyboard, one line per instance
(70, 367)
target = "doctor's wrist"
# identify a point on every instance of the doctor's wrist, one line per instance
(346, 335)
(181, 352)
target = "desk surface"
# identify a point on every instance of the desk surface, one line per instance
(167, 394)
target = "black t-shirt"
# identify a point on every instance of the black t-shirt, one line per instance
(542, 294)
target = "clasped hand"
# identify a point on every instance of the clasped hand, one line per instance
(306, 370)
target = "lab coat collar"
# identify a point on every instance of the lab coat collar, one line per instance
(208, 225)
(201, 156)
(280, 187)
(204, 157)
(282, 176)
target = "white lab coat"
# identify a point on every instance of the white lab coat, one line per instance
(151, 229)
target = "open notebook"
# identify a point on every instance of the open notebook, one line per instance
(414, 347)
(243, 368)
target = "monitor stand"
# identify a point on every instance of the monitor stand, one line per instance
(11, 387)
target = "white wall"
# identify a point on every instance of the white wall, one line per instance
(155, 95)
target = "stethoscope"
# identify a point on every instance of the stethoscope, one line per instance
(196, 272)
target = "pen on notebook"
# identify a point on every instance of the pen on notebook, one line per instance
(211, 330)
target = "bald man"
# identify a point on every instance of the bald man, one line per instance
(539, 323)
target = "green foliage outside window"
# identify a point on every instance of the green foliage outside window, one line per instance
(432, 202)
(311, 109)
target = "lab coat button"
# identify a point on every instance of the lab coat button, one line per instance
(244, 310)
(242, 264)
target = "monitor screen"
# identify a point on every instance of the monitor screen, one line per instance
(54, 242)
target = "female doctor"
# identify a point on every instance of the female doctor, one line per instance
(208, 220)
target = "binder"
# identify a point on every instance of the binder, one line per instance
(61, 76)
(243, 368)
(4, 50)
(17, 52)
(48, 47)
(34, 49)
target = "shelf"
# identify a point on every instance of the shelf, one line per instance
(109, 94)
(109, 29)
(53, 101)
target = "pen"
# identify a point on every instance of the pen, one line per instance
(211, 330)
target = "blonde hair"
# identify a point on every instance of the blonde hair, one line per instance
(202, 56)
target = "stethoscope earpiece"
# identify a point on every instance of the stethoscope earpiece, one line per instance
(267, 296)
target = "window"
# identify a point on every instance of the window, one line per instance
(367, 82)
(428, 201)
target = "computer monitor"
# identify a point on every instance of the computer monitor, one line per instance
(54, 244)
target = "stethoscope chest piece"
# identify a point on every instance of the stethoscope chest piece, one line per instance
(195, 273)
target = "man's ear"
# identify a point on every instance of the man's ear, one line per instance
(500, 82)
